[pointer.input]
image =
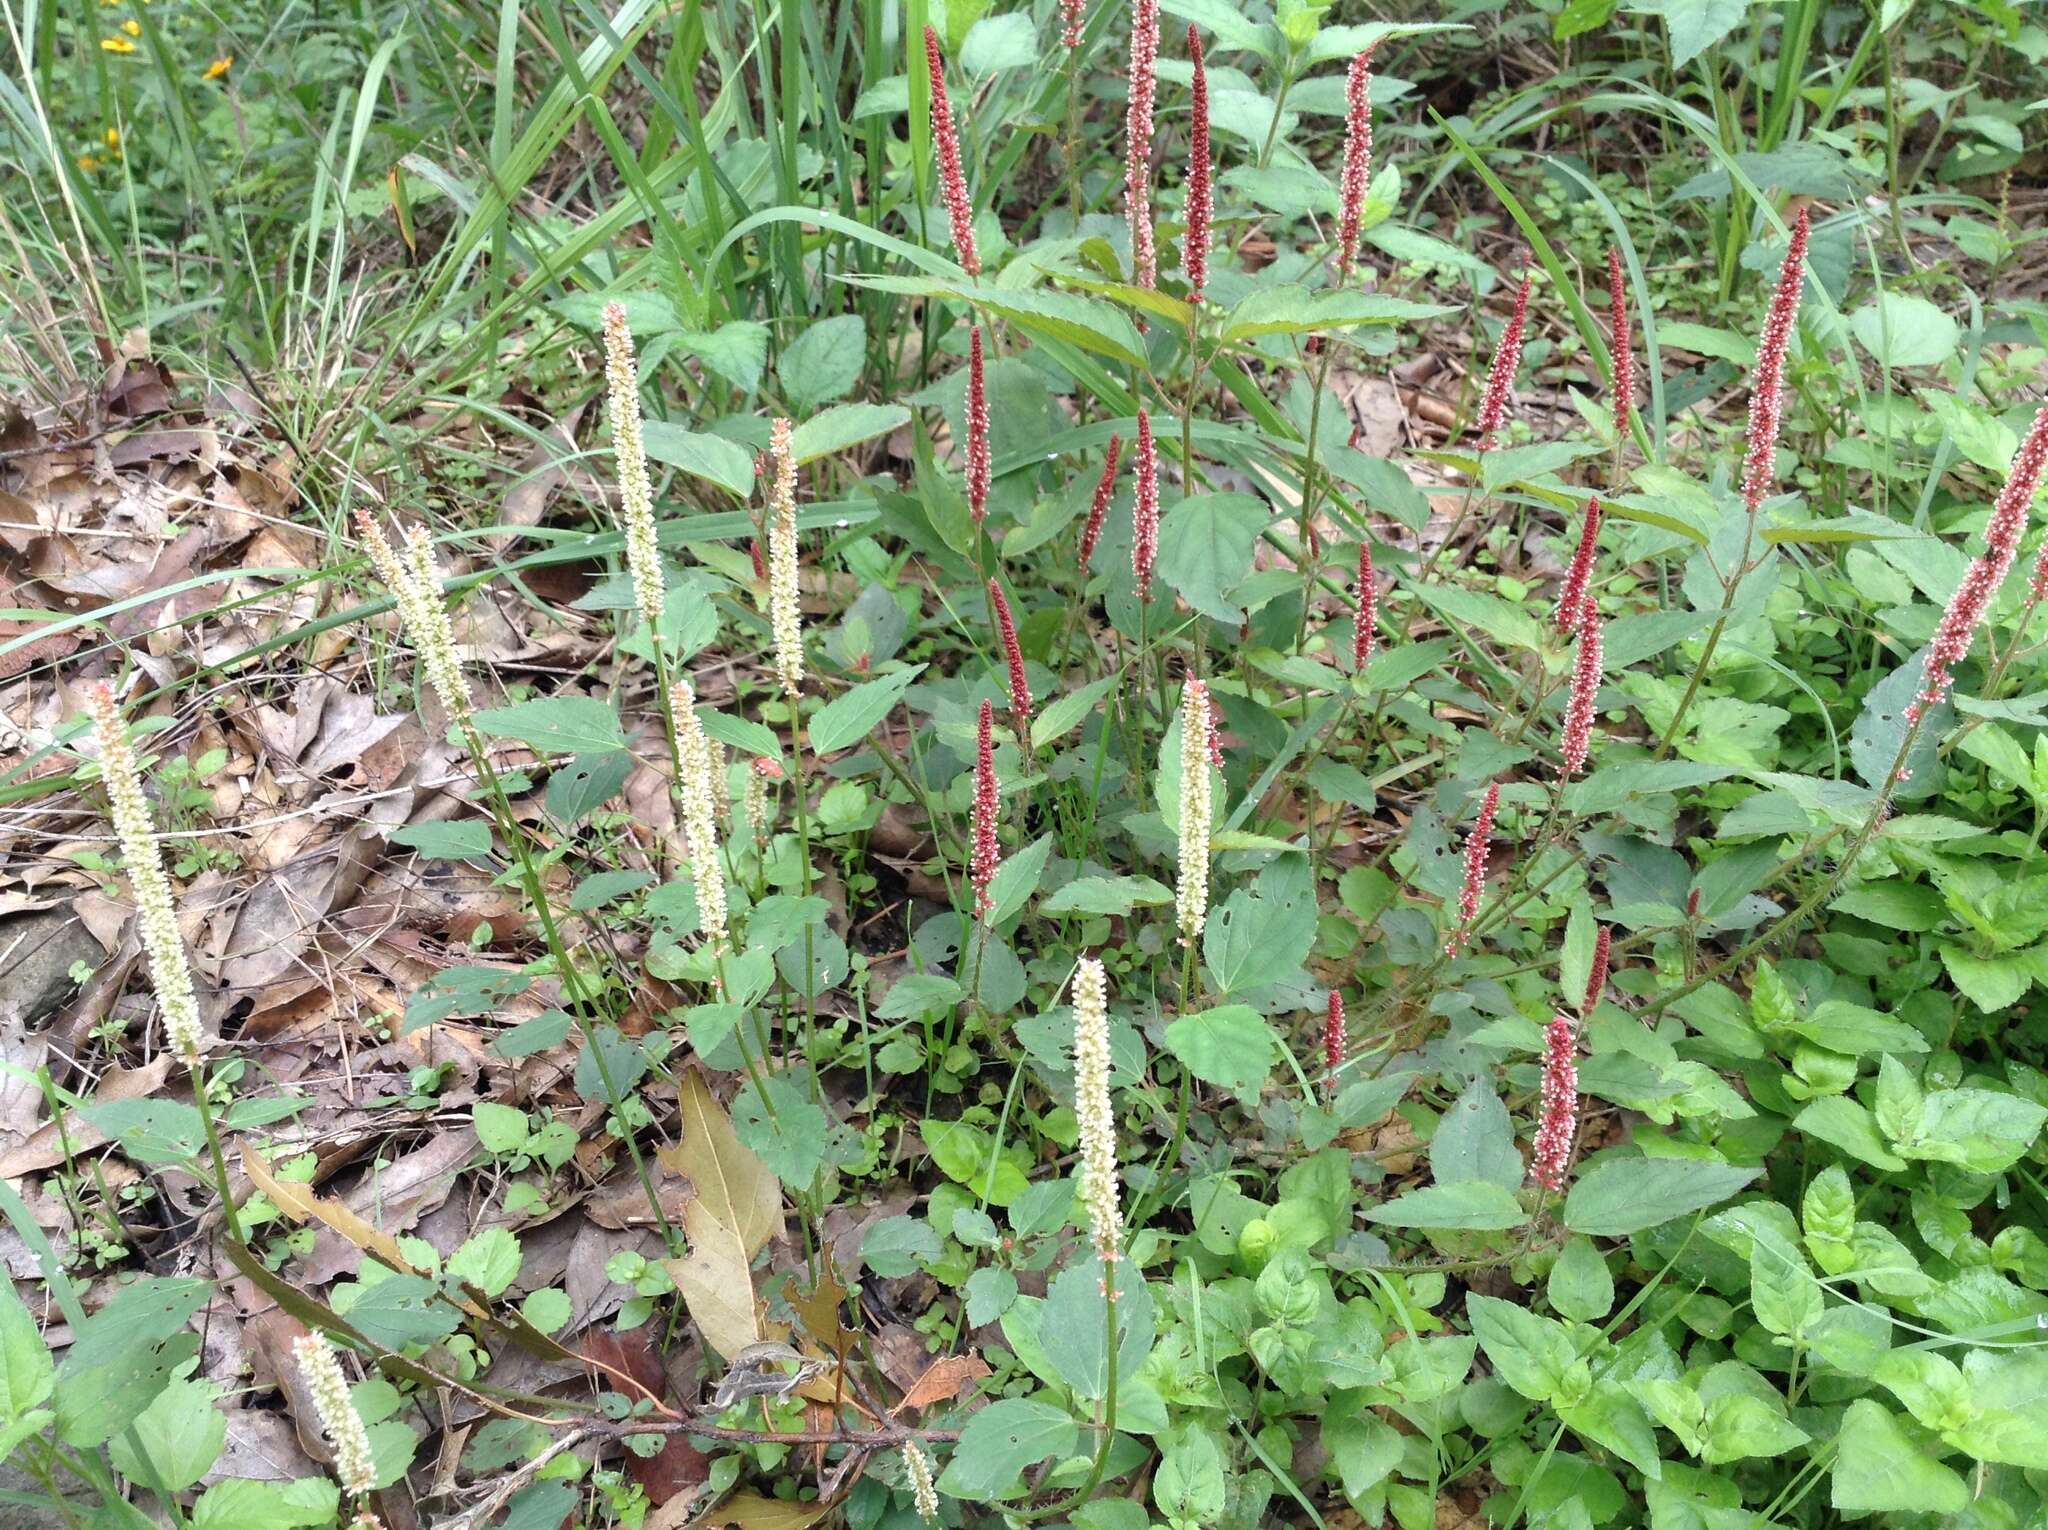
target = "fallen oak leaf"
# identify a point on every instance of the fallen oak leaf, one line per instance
(943, 1380)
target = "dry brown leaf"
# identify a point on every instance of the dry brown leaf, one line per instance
(750, 1511)
(737, 1209)
(943, 1380)
(300, 1204)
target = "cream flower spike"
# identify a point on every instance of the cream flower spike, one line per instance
(156, 915)
(636, 493)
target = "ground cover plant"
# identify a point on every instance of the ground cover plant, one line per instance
(1110, 764)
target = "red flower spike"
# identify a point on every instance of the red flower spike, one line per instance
(1578, 577)
(952, 179)
(1105, 488)
(1144, 87)
(1013, 656)
(1145, 512)
(1973, 597)
(1596, 979)
(1357, 173)
(1215, 731)
(1560, 1119)
(1194, 257)
(1767, 383)
(986, 855)
(1368, 608)
(1333, 1040)
(1587, 663)
(1507, 361)
(1622, 344)
(1072, 13)
(979, 465)
(1477, 845)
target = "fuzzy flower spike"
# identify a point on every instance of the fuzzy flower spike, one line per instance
(1767, 383)
(980, 467)
(1596, 976)
(1073, 13)
(1973, 597)
(1144, 88)
(698, 787)
(1368, 609)
(636, 494)
(1197, 808)
(1145, 509)
(1013, 660)
(1507, 361)
(156, 917)
(346, 1436)
(1587, 664)
(1622, 345)
(785, 612)
(1098, 508)
(1201, 197)
(986, 805)
(924, 1493)
(415, 584)
(1579, 577)
(1093, 1112)
(1333, 1040)
(952, 179)
(1559, 1124)
(1477, 845)
(1357, 173)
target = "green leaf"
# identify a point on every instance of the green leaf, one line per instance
(27, 1373)
(1694, 25)
(1205, 549)
(465, 839)
(821, 364)
(1105, 895)
(1580, 1286)
(1476, 1204)
(1298, 311)
(844, 425)
(1619, 1196)
(714, 459)
(548, 1309)
(150, 1131)
(1529, 1352)
(248, 1504)
(1072, 1330)
(1366, 1449)
(1017, 879)
(180, 1434)
(1881, 1468)
(1263, 934)
(500, 1128)
(1782, 1291)
(1984, 1130)
(1841, 1122)
(853, 716)
(1476, 1140)
(999, 42)
(1191, 1486)
(919, 993)
(964, 1154)
(1902, 330)
(896, 1246)
(1739, 1425)
(736, 351)
(557, 725)
(1067, 709)
(1000, 1441)
(1233, 1047)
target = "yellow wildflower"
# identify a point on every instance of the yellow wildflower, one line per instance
(219, 67)
(88, 163)
(113, 138)
(132, 27)
(117, 44)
